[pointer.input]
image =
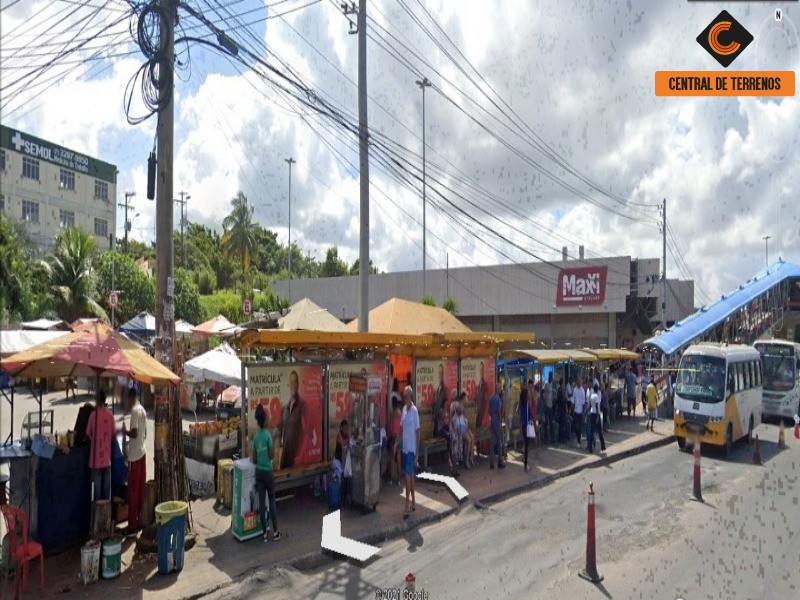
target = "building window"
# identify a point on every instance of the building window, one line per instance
(66, 218)
(30, 168)
(67, 180)
(2, 202)
(2, 160)
(100, 190)
(30, 211)
(100, 227)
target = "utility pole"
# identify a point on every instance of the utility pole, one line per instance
(126, 205)
(766, 239)
(363, 153)
(424, 83)
(290, 161)
(664, 265)
(169, 463)
(183, 200)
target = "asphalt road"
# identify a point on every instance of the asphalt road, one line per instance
(653, 541)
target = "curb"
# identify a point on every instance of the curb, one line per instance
(599, 462)
(318, 558)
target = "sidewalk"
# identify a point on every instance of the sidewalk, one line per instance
(218, 558)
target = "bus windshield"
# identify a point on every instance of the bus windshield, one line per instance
(779, 373)
(701, 378)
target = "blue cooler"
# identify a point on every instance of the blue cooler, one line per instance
(171, 533)
(334, 492)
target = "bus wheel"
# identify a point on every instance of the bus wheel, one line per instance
(750, 431)
(729, 441)
(681, 443)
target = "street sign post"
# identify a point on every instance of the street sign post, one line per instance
(113, 299)
(247, 307)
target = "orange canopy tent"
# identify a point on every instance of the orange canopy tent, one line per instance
(92, 350)
(219, 325)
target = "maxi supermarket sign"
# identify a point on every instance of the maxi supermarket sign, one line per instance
(34, 147)
(584, 286)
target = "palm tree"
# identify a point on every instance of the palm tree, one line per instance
(239, 239)
(71, 276)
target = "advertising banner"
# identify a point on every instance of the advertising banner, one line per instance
(339, 400)
(435, 378)
(477, 380)
(586, 286)
(292, 399)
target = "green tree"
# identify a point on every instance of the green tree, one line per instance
(354, 269)
(138, 292)
(72, 279)
(239, 239)
(333, 265)
(187, 298)
(137, 249)
(450, 305)
(24, 292)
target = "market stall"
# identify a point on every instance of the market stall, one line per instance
(59, 466)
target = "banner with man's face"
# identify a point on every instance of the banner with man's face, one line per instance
(292, 399)
(434, 378)
(477, 380)
(339, 401)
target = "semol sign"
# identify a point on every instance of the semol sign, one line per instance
(581, 286)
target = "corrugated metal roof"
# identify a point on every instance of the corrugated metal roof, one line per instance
(708, 317)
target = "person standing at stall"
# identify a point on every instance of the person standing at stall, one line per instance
(137, 463)
(263, 454)
(652, 404)
(578, 404)
(409, 434)
(630, 391)
(100, 431)
(525, 417)
(549, 415)
(342, 453)
(496, 433)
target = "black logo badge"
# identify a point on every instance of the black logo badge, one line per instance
(725, 38)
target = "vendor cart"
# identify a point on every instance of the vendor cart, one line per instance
(365, 451)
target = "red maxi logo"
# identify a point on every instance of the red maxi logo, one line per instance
(581, 286)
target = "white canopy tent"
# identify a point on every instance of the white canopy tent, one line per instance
(220, 364)
(19, 340)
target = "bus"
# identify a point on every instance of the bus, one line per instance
(718, 394)
(779, 364)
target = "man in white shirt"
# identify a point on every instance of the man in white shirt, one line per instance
(409, 433)
(578, 404)
(137, 462)
(594, 423)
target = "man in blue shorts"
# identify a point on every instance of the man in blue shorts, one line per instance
(409, 434)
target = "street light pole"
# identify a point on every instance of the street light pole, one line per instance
(184, 199)
(290, 161)
(423, 83)
(127, 207)
(766, 239)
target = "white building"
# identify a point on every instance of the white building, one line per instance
(49, 187)
(614, 301)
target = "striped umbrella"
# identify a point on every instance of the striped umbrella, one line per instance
(94, 349)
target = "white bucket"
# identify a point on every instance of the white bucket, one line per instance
(90, 562)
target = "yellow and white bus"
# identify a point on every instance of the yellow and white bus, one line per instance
(779, 364)
(718, 394)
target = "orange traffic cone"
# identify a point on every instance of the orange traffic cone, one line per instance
(757, 453)
(697, 493)
(590, 572)
(781, 436)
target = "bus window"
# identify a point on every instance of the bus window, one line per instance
(748, 374)
(739, 381)
(758, 374)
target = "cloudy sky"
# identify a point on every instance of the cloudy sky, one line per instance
(543, 128)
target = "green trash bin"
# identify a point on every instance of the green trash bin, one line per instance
(171, 533)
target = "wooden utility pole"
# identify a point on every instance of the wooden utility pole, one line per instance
(170, 469)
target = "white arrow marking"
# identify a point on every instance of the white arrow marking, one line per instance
(332, 540)
(459, 491)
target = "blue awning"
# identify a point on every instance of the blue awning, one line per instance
(708, 317)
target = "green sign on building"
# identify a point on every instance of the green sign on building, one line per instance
(34, 147)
